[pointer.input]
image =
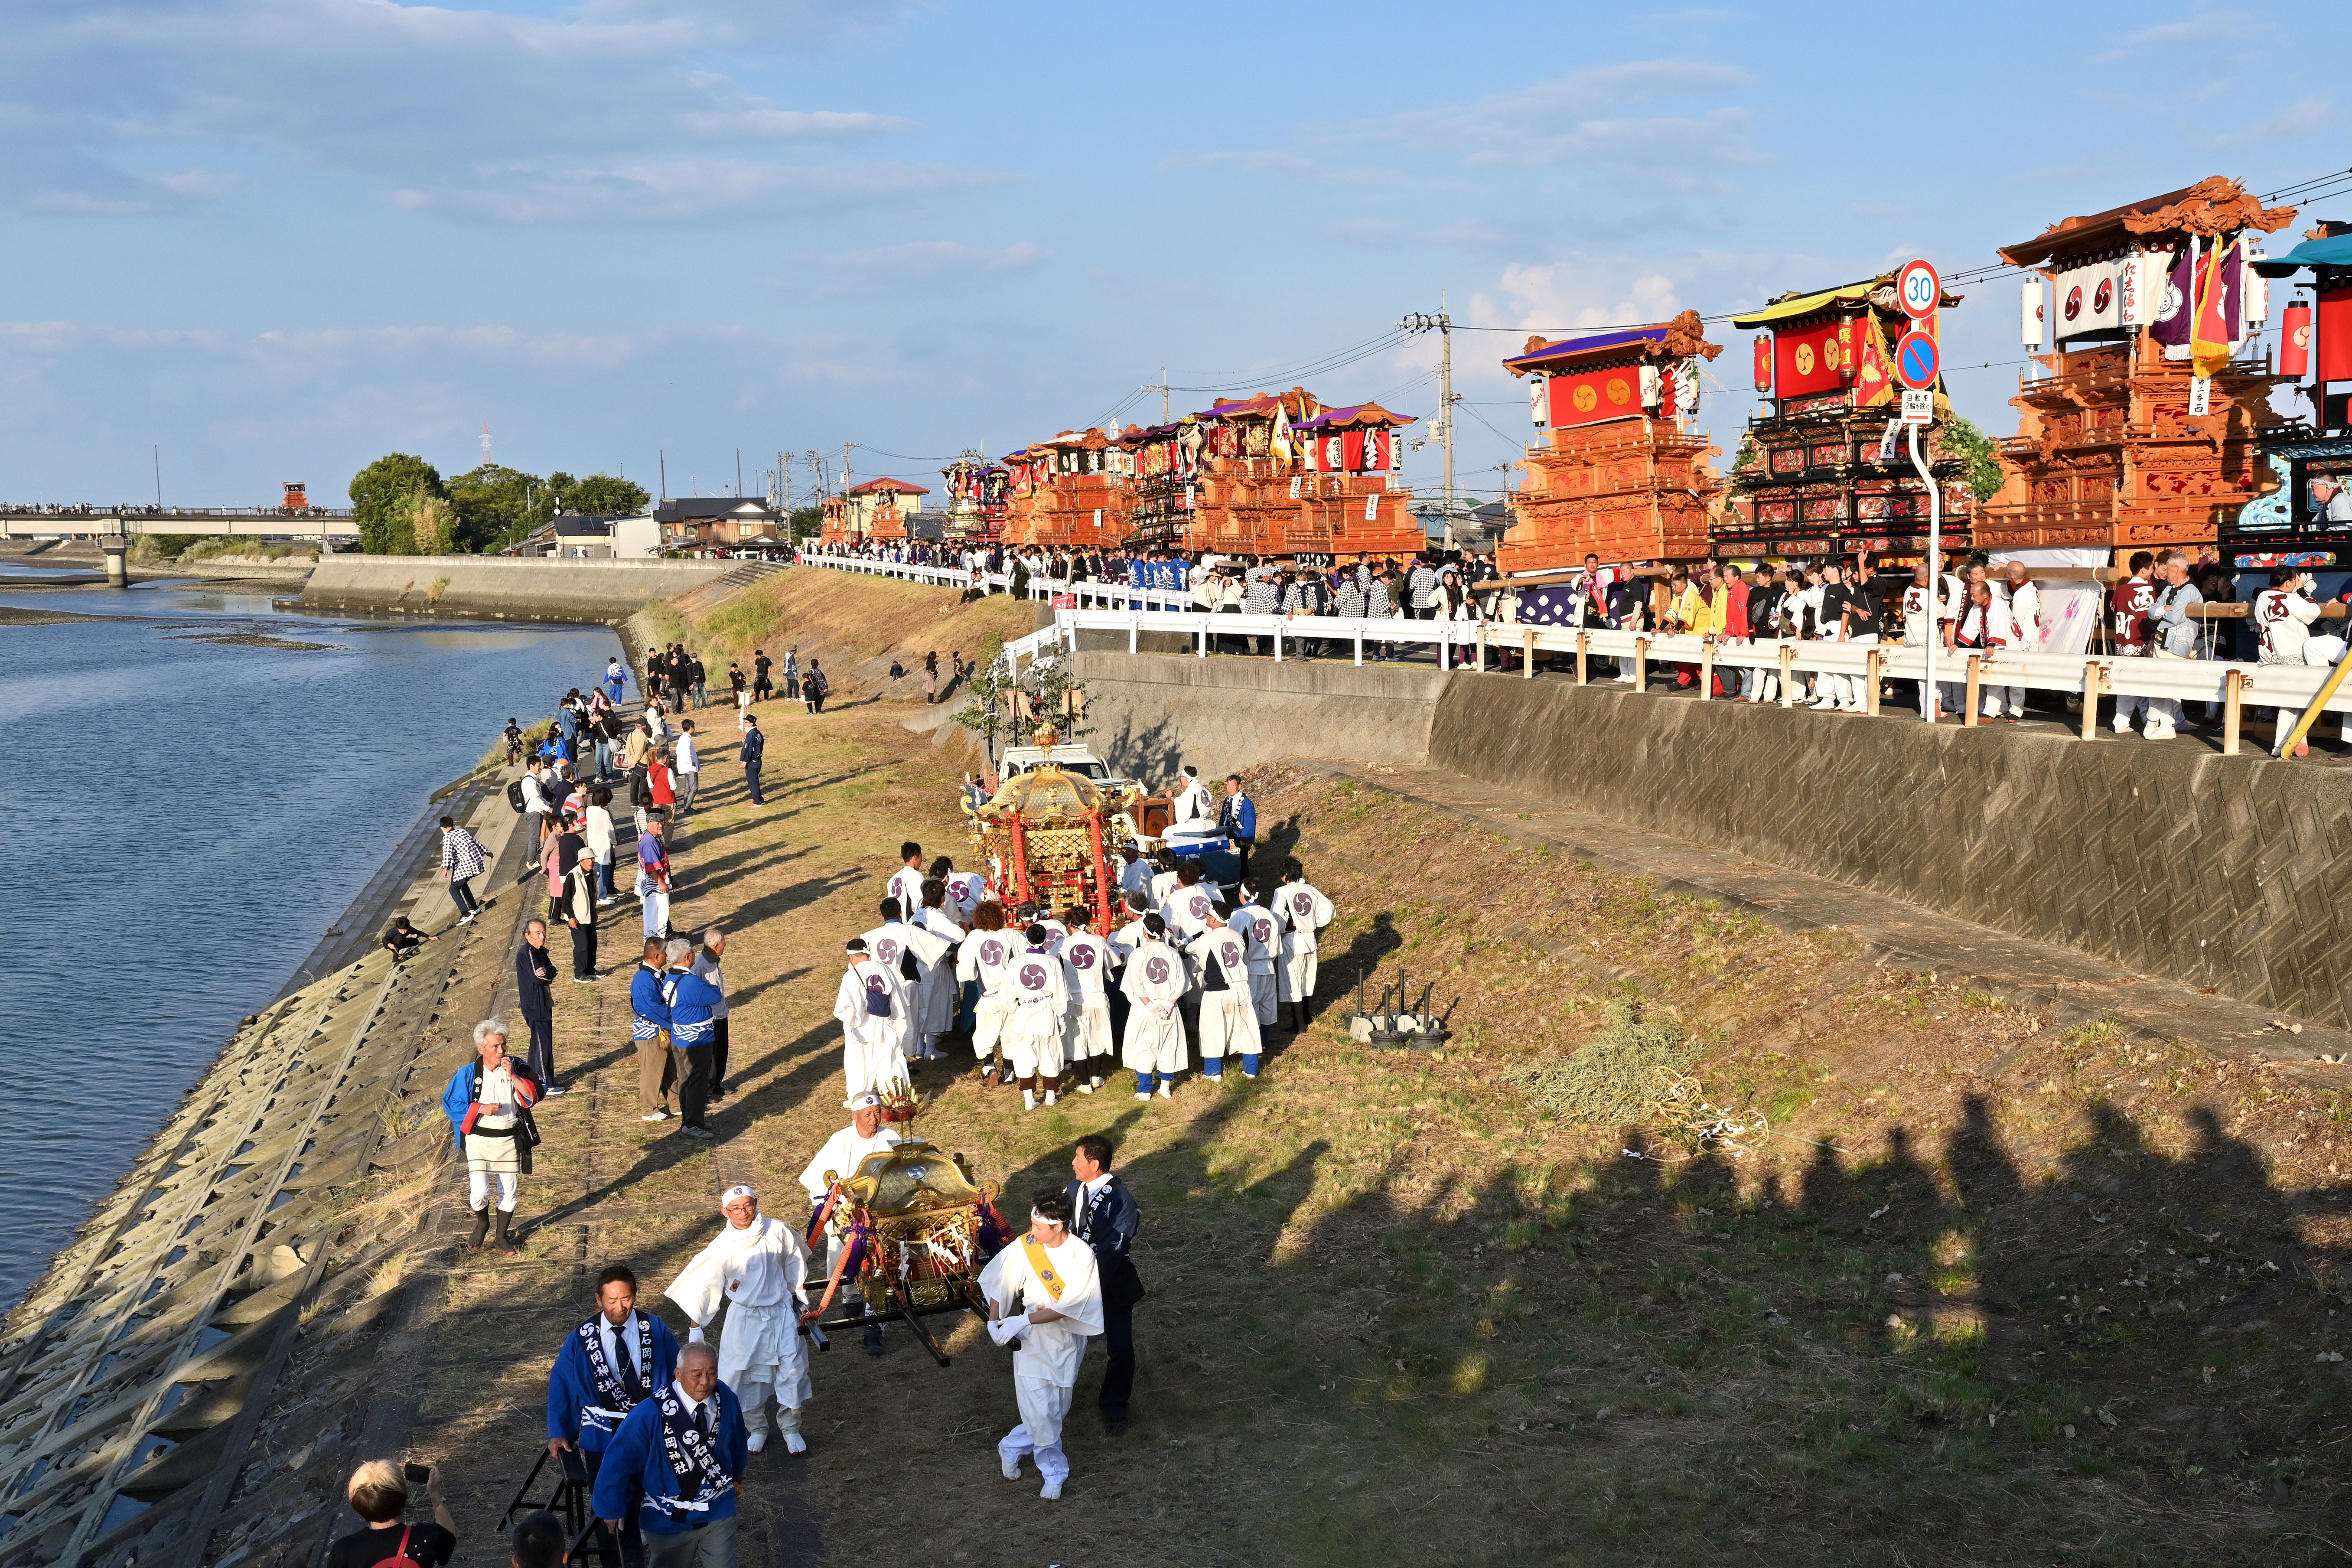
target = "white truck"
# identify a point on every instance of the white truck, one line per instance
(1019, 760)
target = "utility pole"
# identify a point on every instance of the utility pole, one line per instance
(739, 473)
(1442, 324)
(159, 477)
(1163, 395)
(665, 473)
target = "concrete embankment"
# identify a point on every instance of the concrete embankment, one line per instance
(497, 587)
(2215, 871)
(196, 1371)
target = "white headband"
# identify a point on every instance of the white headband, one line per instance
(869, 1100)
(738, 1191)
(1036, 1217)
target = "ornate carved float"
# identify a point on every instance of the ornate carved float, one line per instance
(2118, 446)
(1615, 470)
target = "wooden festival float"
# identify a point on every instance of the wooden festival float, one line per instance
(2145, 426)
(1069, 492)
(918, 1230)
(978, 496)
(1048, 837)
(1277, 474)
(2306, 520)
(875, 511)
(1615, 470)
(1808, 480)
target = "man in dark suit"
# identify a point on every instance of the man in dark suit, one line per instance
(534, 977)
(1106, 1217)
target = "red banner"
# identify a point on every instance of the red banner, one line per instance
(1590, 397)
(1811, 360)
(2335, 334)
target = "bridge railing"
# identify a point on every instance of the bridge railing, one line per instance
(1090, 595)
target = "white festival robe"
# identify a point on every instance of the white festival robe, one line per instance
(1228, 1018)
(761, 1272)
(985, 956)
(1039, 999)
(890, 943)
(1086, 969)
(1045, 1367)
(1153, 985)
(1188, 909)
(842, 1154)
(1256, 928)
(1301, 910)
(873, 1049)
(935, 1008)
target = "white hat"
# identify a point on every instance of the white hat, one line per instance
(738, 1190)
(866, 1101)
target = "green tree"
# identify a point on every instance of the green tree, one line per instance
(496, 507)
(807, 522)
(381, 503)
(1963, 440)
(986, 714)
(598, 495)
(1056, 694)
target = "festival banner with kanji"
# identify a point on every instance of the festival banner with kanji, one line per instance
(1806, 359)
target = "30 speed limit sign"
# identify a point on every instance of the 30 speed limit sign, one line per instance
(1919, 290)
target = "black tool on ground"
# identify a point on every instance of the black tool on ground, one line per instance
(1394, 1026)
(590, 1541)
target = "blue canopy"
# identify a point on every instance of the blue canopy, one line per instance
(2336, 251)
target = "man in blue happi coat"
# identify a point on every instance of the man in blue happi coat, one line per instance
(608, 1366)
(680, 1453)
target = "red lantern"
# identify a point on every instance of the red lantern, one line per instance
(2295, 341)
(1764, 363)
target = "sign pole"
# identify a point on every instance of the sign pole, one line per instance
(1934, 574)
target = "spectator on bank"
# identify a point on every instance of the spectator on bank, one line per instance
(689, 1519)
(378, 1493)
(535, 1000)
(462, 860)
(699, 678)
(792, 673)
(489, 1103)
(580, 918)
(535, 807)
(752, 753)
(661, 782)
(692, 1002)
(2176, 636)
(2022, 607)
(652, 874)
(401, 939)
(597, 829)
(762, 685)
(815, 688)
(707, 960)
(689, 770)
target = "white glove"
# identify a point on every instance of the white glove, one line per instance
(693, 1335)
(1004, 1330)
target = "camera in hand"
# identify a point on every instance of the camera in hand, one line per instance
(418, 1474)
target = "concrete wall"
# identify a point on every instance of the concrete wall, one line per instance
(2226, 872)
(1151, 711)
(497, 587)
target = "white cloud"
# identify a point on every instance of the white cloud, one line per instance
(2302, 118)
(1574, 119)
(476, 115)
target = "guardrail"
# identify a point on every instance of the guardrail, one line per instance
(1088, 593)
(1471, 645)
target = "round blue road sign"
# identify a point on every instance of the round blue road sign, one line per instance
(1916, 361)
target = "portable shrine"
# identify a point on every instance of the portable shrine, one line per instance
(2142, 425)
(1615, 469)
(1048, 837)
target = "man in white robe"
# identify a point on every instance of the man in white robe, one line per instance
(1086, 963)
(1045, 1298)
(1228, 1020)
(907, 882)
(893, 943)
(843, 1152)
(1153, 983)
(1039, 997)
(1301, 910)
(1191, 802)
(758, 1267)
(1255, 926)
(935, 1007)
(877, 1019)
(986, 954)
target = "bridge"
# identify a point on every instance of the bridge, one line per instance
(112, 529)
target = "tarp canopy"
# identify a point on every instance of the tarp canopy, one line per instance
(2335, 251)
(1796, 306)
(1371, 415)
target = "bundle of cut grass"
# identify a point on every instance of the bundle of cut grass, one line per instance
(1615, 1078)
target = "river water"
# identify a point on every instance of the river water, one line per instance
(190, 818)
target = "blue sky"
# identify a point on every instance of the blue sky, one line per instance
(280, 237)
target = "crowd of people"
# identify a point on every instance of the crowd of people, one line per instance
(664, 1428)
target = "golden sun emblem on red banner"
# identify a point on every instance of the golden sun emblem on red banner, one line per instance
(1586, 399)
(1619, 392)
(1804, 359)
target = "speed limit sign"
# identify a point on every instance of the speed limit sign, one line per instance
(1919, 290)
